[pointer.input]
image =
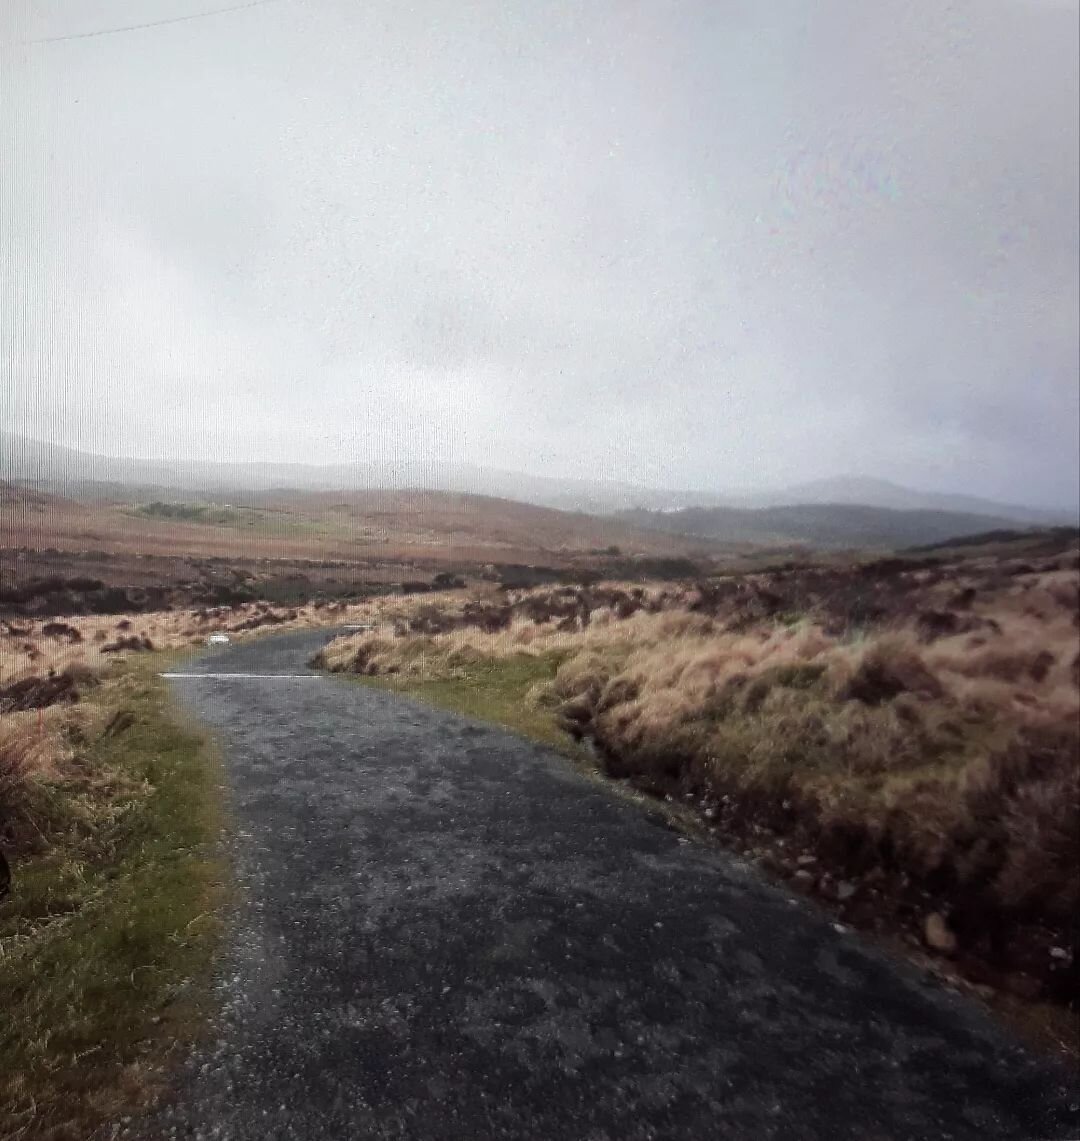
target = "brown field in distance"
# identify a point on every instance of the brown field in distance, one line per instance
(435, 526)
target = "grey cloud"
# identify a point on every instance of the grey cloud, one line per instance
(704, 244)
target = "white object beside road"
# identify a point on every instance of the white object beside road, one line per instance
(218, 640)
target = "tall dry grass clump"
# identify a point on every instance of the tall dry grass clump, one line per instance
(16, 761)
(36, 755)
(918, 721)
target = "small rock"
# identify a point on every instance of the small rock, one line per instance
(803, 879)
(710, 812)
(1059, 953)
(845, 889)
(938, 934)
(806, 860)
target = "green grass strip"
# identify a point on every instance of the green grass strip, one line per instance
(108, 935)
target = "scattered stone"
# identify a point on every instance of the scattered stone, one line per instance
(1060, 953)
(806, 860)
(845, 889)
(938, 934)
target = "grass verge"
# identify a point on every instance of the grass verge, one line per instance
(492, 690)
(107, 936)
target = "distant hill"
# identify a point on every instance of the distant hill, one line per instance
(86, 475)
(83, 475)
(348, 525)
(15, 498)
(864, 492)
(833, 525)
(1048, 539)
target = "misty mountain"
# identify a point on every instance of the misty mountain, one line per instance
(52, 467)
(835, 525)
(862, 491)
(68, 470)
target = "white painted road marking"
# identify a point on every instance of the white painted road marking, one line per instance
(176, 675)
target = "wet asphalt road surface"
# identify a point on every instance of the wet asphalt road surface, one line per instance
(446, 933)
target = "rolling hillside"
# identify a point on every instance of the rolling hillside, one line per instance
(829, 525)
(336, 525)
(83, 475)
(859, 491)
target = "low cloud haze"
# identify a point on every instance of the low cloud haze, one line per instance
(712, 245)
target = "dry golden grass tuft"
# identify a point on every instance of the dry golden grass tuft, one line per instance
(923, 723)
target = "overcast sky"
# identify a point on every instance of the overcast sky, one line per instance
(709, 245)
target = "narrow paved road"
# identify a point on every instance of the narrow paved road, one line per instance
(445, 933)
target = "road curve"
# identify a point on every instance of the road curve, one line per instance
(446, 933)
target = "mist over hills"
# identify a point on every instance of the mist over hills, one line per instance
(74, 472)
(867, 492)
(836, 512)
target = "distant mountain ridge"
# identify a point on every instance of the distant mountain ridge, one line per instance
(867, 492)
(71, 471)
(53, 467)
